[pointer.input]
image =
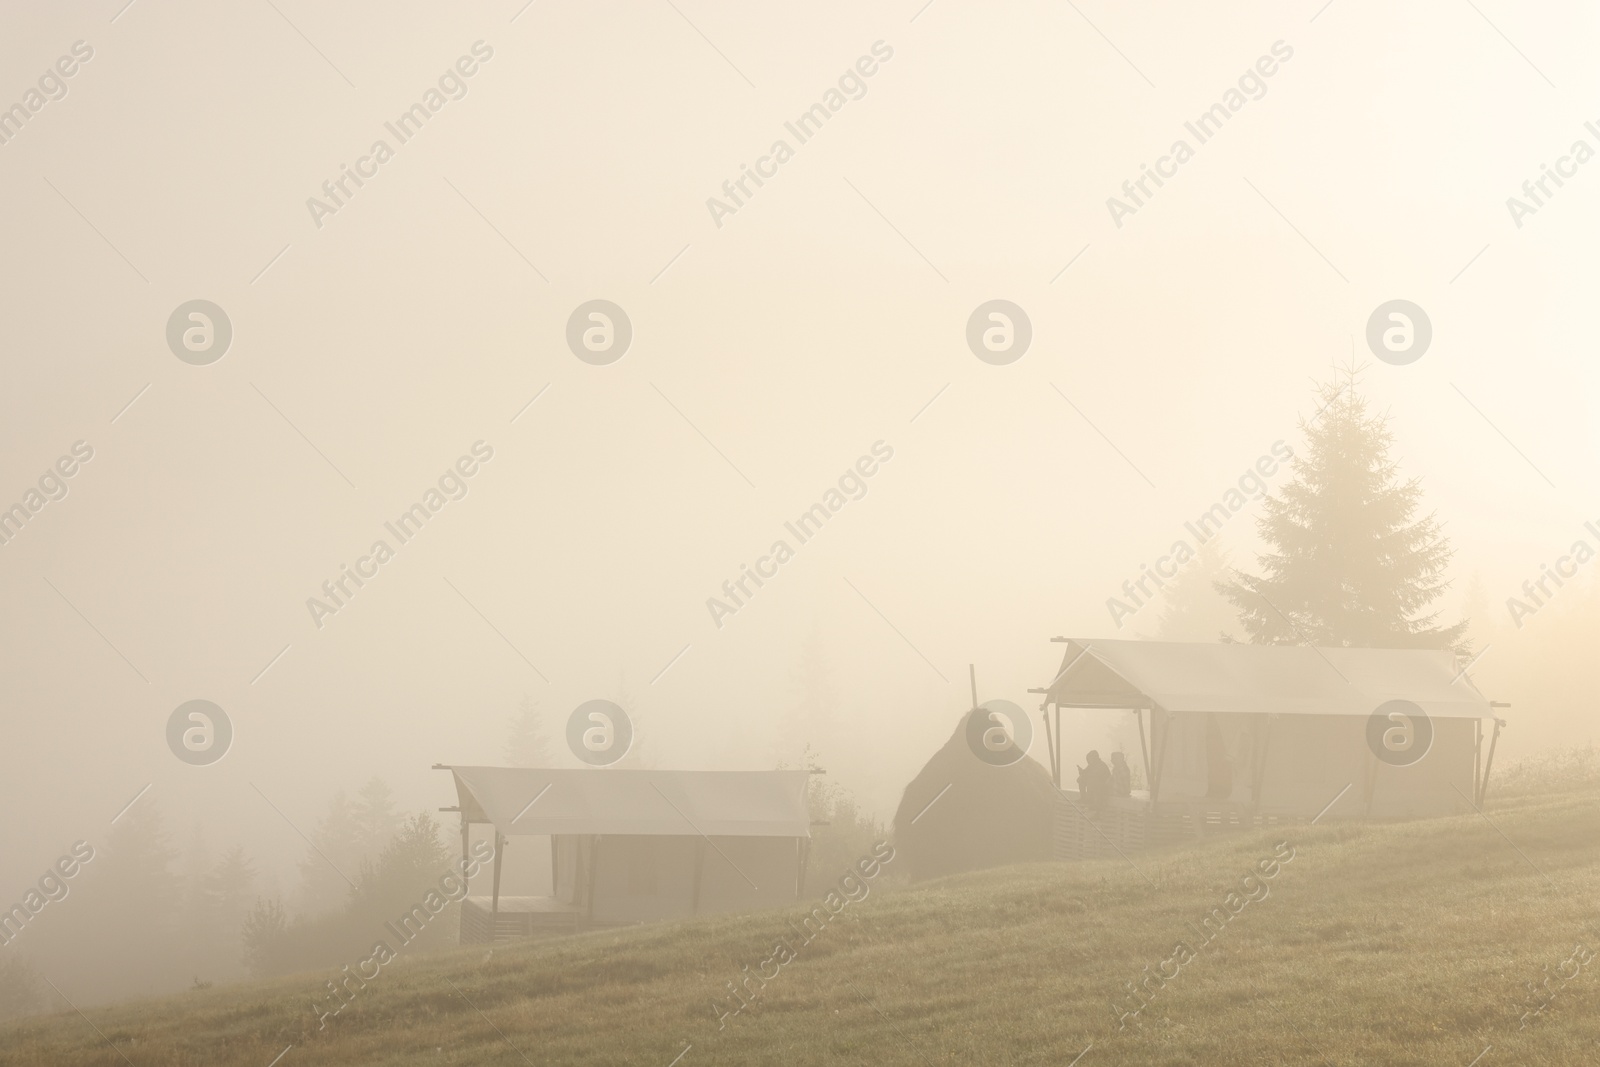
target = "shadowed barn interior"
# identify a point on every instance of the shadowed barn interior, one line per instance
(631, 846)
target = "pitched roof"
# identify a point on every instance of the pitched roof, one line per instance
(1280, 679)
(520, 801)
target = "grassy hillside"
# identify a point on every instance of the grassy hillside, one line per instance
(1399, 944)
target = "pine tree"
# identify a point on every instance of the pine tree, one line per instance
(407, 869)
(338, 848)
(529, 743)
(197, 863)
(375, 818)
(129, 915)
(229, 891)
(216, 921)
(807, 728)
(1195, 611)
(264, 939)
(641, 753)
(1350, 564)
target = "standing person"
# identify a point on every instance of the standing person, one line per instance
(1121, 776)
(1096, 779)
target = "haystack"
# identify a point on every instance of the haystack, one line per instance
(988, 817)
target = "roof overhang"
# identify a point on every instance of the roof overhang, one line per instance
(523, 801)
(1262, 679)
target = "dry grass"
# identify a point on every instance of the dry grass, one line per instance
(1399, 944)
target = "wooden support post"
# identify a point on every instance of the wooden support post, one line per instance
(1373, 765)
(804, 848)
(1160, 747)
(1483, 788)
(1259, 771)
(1477, 758)
(1050, 746)
(1058, 745)
(1138, 713)
(594, 870)
(494, 911)
(699, 865)
(466, 839)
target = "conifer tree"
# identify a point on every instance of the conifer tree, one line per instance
(338, 848)
(529, 743)
(1195, 611)
(1349, 562)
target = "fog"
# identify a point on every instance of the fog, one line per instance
(423, 319)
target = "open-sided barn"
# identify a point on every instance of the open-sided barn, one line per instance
(1239, 734)
(631, 846)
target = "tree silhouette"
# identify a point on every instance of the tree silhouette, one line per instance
(336, 839)
(529, 743)
(1349, 563)
(1195, 611)
(352, 833)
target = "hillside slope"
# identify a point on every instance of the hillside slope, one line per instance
(1409, 943)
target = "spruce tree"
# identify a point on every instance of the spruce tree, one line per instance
(1195, 611)
(375, 817)
(529, 743)
(1349, 562)
(338, 849)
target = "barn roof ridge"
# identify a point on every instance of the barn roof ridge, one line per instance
(1183, 676)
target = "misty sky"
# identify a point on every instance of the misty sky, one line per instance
(371, 351)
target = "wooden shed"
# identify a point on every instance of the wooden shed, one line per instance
(1237, 735)
(631, 846)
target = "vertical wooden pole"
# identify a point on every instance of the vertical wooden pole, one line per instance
(699, 865)
(1050, 744)
(1483, 788)
(1149, 785)
(494, 913)
(1260, 770)
(1160, 746)
(1058, 746)
(1477, 757)
(594, 871)
(466, 839)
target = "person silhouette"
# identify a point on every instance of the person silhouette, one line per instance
(1121, 776)
(1095, 780)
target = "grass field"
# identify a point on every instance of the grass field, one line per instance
(1399, 944)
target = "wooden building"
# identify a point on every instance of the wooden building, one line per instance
(632, 846)
(1235, 735)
